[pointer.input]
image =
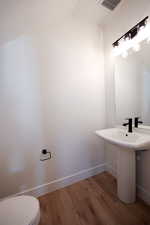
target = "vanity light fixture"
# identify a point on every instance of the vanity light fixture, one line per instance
(132, 39)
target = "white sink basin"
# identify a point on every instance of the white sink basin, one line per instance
(120, 137)
(126, 146)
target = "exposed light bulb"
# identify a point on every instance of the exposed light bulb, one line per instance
(136, 47)
(148, 40)
(125, 54)
(142, 27)
(131, 41)
(116, 51)
(122, 48)
(143, 34)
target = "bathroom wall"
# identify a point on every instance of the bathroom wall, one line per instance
(123, 18)
(51, 92)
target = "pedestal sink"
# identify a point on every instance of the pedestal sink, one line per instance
(126, 145)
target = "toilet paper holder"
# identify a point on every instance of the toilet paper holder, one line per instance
(45, 152)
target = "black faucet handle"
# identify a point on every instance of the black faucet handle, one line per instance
(141, 122)
(137, 122)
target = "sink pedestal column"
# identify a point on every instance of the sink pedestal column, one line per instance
(126, 175)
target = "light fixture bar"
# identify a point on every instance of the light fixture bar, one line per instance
(132, 32)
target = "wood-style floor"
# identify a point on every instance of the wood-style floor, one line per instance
(91, 202)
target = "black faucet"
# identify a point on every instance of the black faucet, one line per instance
(129, 124)
(137, 122)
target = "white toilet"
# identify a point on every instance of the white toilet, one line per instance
(21, 210)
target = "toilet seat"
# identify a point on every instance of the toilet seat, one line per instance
(21, 210)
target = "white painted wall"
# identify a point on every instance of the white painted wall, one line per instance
(123, 18)
(51, 92)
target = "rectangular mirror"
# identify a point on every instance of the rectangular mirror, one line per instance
(132, 85)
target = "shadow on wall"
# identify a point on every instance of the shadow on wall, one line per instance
(52, 96)
(20, 115)
(23, 134)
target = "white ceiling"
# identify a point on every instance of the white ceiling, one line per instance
(53, 9)
(25, 16)
(90, 10)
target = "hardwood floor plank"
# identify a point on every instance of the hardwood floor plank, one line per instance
(119, 208)
(59, 209)
(92, 201)
(85, 208)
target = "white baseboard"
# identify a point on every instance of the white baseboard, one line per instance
(63, 182)
(81, 175)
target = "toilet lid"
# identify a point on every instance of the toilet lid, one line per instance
(21, 210)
